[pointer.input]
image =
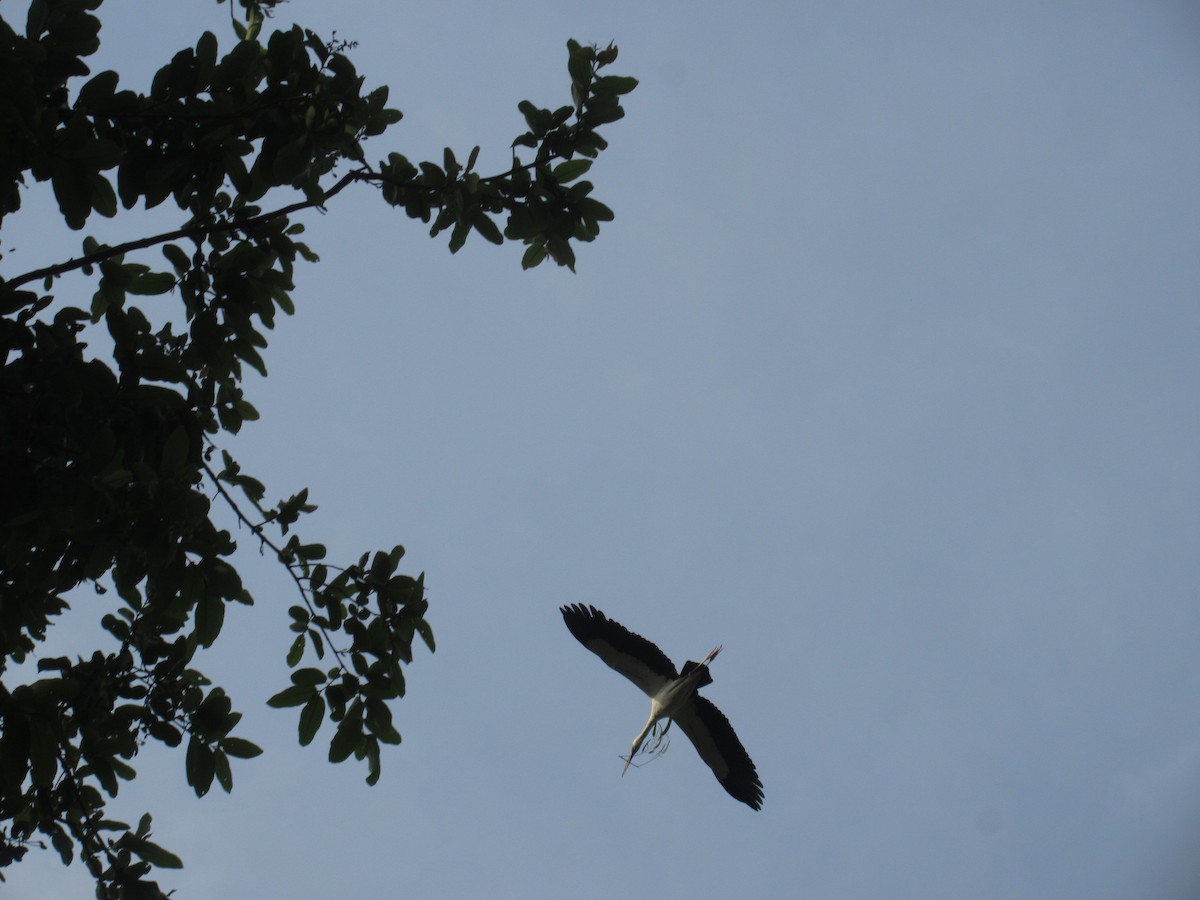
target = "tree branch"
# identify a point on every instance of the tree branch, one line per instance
(366, 173)
(108, 252)
(257, 531)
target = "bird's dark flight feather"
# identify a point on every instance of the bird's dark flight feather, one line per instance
(590, 626)
(718, 745)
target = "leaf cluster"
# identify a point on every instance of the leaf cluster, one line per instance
(110, 460)
(540, 209)
(380, 610)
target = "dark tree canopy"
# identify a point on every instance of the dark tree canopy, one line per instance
(111, 461)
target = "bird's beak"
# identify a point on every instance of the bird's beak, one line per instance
(628, 760)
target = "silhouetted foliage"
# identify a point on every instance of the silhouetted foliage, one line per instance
(111, 463)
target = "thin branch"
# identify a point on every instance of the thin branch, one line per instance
(258, 532)
(369, 174)
(188, 231)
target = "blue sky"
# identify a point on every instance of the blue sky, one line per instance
(884, 377)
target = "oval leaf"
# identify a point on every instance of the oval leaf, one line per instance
(311, 718)
(570, 170)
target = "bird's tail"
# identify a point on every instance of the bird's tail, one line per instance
(703, 678)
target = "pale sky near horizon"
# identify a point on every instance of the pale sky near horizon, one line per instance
(885, 377)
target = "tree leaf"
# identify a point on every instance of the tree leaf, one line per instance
(155, 855)
(594, 209)
(296, 653)
(311, 718)
(150, 283)
(534, 255)
(294, 695)
(489, 229)
(210, 616)
(345, 739)
(614, 84)
(200, 766)
(570, 170)
(308, 677)
(63, 844)
(178, 259)
(580, 67)
(223, 772)
(240, 748)
(458, 236)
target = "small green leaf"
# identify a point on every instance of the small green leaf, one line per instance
(319, 574)
(104, 200)
(63, 844)
(155, 855)
(296, 652)
(311, 551)
(311, 718)
(253, 25)
(150, 283)
(206, 55)
(347, 737)
(489, 230)
(292, 696)
(73, 190)
(561, 252)
(165, 732)
(458, 236)
(594, 209)
(224, 773)
(200, 766)
(210, 616)
(379, 721)
(309, 677)
(426, 634)
(240, 748)
(373, 769)
(534, 255)
(179, 260)
(318, 643)
(433, 175)
(570, 170)
(614, 84)
(580, 67)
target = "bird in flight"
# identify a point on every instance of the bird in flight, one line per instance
(672, 696)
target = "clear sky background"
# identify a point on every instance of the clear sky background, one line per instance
(886, 377)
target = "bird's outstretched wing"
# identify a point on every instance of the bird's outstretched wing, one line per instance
(718, 745)
(639, 660)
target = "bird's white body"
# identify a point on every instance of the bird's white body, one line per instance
(670, 697)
